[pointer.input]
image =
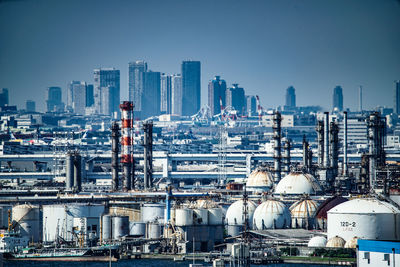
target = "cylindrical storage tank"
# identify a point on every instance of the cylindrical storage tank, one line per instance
(271, 214)
(152, 212)
(120, 226)
(153, 230)
(183, 217)
(317, 242)
(335, 242)
(351, 243)
(27, 219)
(366, 218)
(137, 229)
(61, 217)
(200, 216)
(215, 216)
(106, 227)
(303, 214)
(4, 216)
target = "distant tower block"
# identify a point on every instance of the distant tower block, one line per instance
(127, 143)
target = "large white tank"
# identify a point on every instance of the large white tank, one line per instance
(200, 216)
(120, 226)
(317, 242)
(152, 212)
(183, 217)
(271, 214)
(260, 181)
(335, 242)
(296, 183)
(303, 213)
(27, 220)
(215, 216)
(235, 215)
(106, 227)
(154, 230)
(366, 218)
(137, 229)
(60, 218)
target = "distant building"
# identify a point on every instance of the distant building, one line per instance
(76, 97)
(216, 91)
(360, 107)
(235, 98)
(4, 97)
(136, 70)
(191, 90)
(290, 98)
(251, 105)
(151, 94)
(30, 106)
(54, 99)
(397, 97)
(106, 92)
(176, 94)
(338, 98)
(165, 94)
(89, 95)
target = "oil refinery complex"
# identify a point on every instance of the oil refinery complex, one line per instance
(250, 190)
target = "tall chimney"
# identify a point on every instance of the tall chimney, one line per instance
(345, 143)
(287, 156)
(114, 155)
(69, 171)
(148, 154)
(334, 142)
(77, 172)
(305, 153)
(326, 140)
(320, 132)
(126, 142)
(360, 107)
(277, 146)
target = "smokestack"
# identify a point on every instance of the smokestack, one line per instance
(126, 142)
(360, 108)
(320, 132)
(277, 146)
(345, 143)
(305, 153)
(77, 172)
(287, 156)
(69, 171)
(148, 154)
(310, 158)
(334, 142)
(114, 156)
(371, 122)
(326, 140)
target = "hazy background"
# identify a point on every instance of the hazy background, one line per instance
(265, 46)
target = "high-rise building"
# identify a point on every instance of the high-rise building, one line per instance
(4, 97)
(76, 97)
(290, 97)
(235, 98)
(151, 94)
(106, 92)
(136, 70)
(89, 95)
(165, 94)
(54, 99)
(191, 90)
(176, 94)
(216, 91)
(251, 105)
(396, 108)
(338, 98)
(30, 106)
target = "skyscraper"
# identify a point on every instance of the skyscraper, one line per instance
(290, 97)
(235, 98)
(76, 97)
(151, 94)
(338, 98)
(165, 94)
(106, 92)
(396, 108)
(136, 70)
(30, 106)
(4, 97)
(176, 94)
(89, 95)
(191, 90)
(54, 99)
(251, 105)
(216, 91)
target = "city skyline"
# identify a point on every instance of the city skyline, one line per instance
(273, 46)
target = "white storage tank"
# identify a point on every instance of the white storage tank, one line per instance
(335, 242)
(366, 218)
(297, 183)
(303, 214)
(271, 214)
(106, 227)
(317, 242)
(260, 180)
(235, 216)
(215, 216)
(120, 226)
(200, 216)
(27, 220)
(152, 212)
(60, 217)
(137, 229)
(154, 230)
(183, 217)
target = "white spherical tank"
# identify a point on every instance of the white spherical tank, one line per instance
(298, 184)
(27, 220)
(260, 181)
(271, 214)
(351, 243)
(335, 242)
(317, 242)
(303, 213)
(215, 216)
(200, 216)
(366, 218)
(183, 217)
(60, 218)
(235, 215)
(152, 212)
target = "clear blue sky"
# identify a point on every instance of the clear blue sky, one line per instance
(263, 45)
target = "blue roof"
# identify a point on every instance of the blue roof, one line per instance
(379, 246)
